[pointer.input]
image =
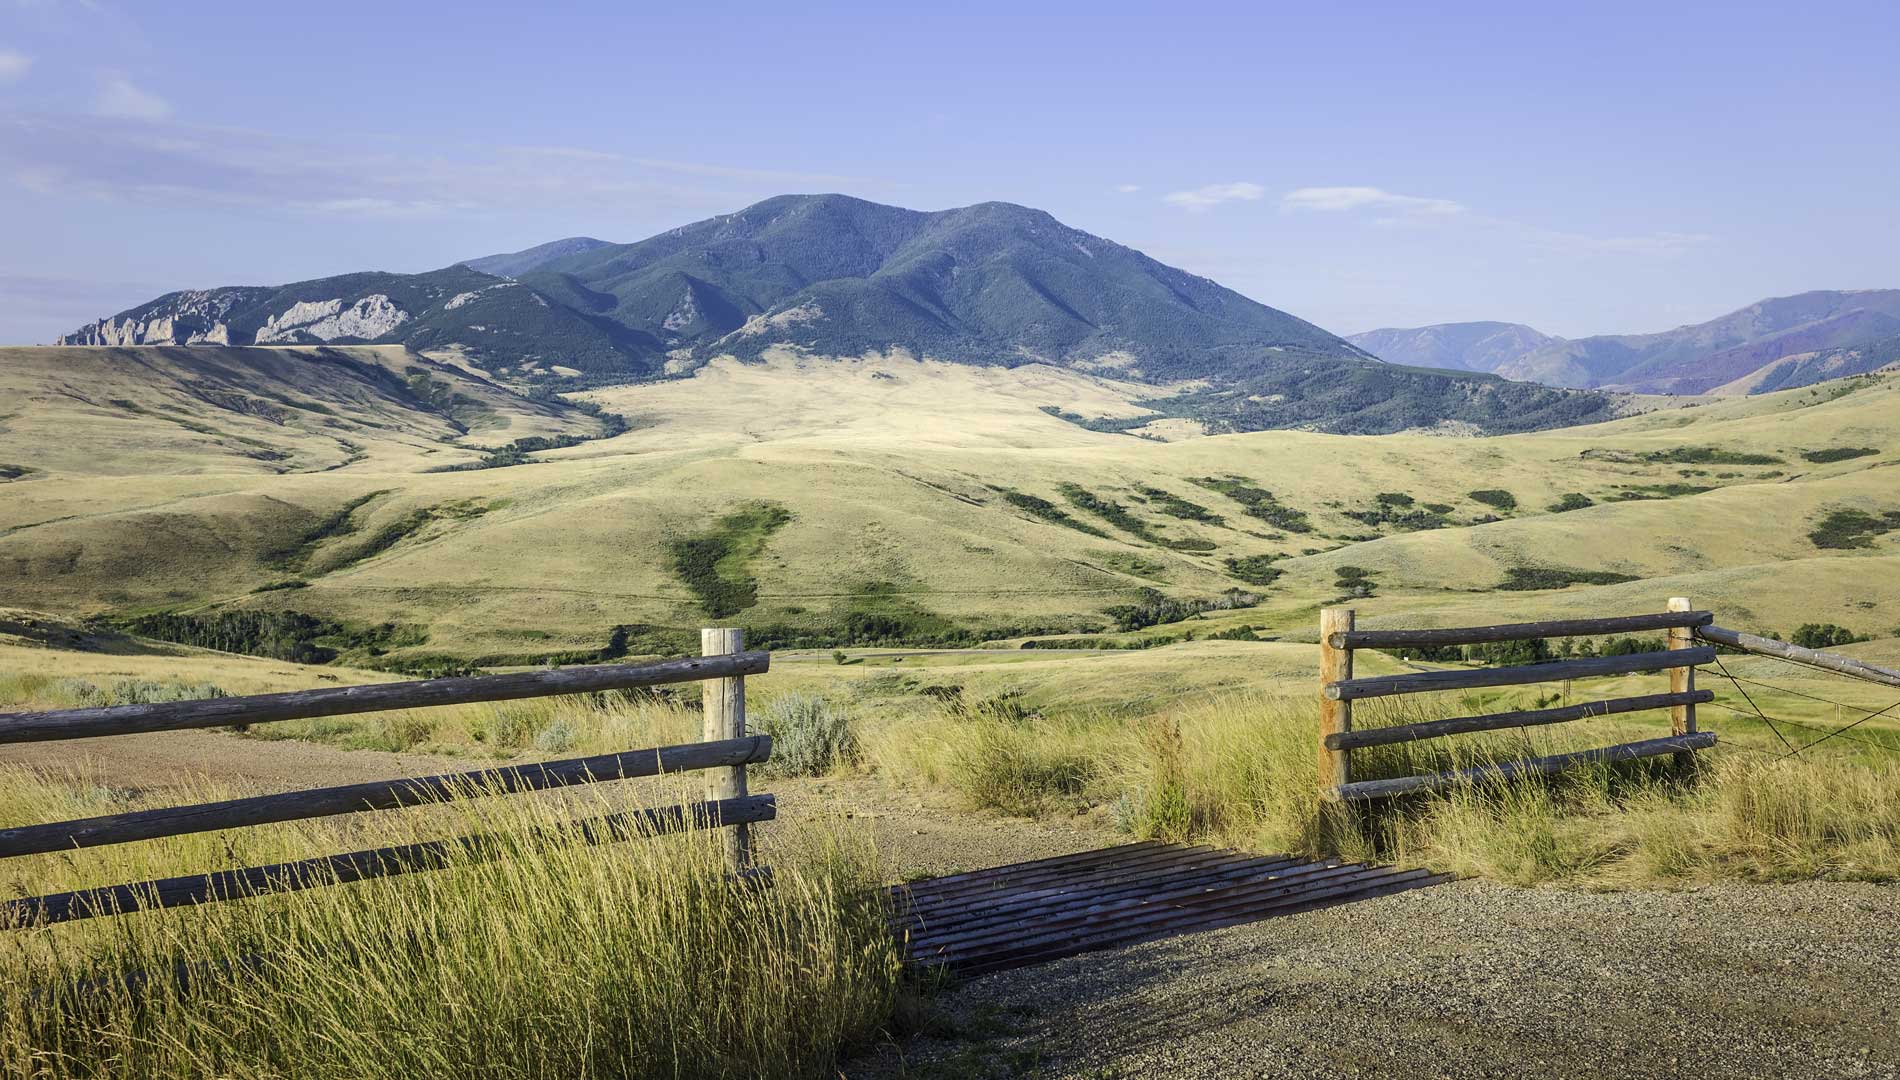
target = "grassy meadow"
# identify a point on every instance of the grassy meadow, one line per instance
(888, 500)
(966, 594)
(1207, 740)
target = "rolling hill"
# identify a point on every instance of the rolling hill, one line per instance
(196, 411)
(1743, 351)
(823, 501)
(831, 276)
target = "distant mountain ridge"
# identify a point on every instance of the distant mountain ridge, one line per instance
(829, 275)
(1722, 354)
(515, 263)
(1470, 346)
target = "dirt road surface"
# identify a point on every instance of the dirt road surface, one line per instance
(1461, 980)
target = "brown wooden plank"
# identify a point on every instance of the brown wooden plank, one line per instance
(1475, 635)
(1432, 729)
(376, 795)
(1405, 785)
(1421, 682)
(374, 697)
(1827, 661)
(373, 863)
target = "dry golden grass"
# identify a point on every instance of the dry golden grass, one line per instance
(553, 959)
(886, 466)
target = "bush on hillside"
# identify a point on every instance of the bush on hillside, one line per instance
(1573, 500)
(1823, 636)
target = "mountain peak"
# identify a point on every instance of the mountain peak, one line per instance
(994, 283)
(516, 263)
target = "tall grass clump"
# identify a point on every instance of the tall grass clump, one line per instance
(997, 754)
(1241, 771)
(540, 958)
(811, 736)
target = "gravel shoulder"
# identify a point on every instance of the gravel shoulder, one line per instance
(1461, 980)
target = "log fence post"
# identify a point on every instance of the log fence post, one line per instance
(1682, 681)
(723, 702)
(1335, 717)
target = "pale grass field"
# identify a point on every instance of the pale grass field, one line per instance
(1049, 733)
(886, 467)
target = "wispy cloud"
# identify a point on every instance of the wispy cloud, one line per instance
(687, 168)
(1127, 189)
(1339, 199)
(14, 65)
(1382, 207)
(162, 162)
(1212, 195)
(1660, 243)
(119, 98)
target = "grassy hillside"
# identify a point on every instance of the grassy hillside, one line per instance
(149, 411)
(887, 500)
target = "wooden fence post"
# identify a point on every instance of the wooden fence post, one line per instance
(1335, 766)
(724, 705)
(1682, 681)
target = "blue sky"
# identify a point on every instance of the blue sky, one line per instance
(1606, 168)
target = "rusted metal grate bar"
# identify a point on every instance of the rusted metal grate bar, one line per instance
(1013, 916)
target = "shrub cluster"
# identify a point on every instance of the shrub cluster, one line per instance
(1824, 636)
(810, 735)
(1837, 453)
(1152, 608)
(1841, 530)
(1257, 501)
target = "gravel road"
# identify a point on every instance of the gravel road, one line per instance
(1461, 980)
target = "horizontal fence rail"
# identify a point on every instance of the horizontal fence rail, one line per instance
(376, 795)
(372, 697)
(373, 863)
(1432, 729)
(1479, 635)
(726, 751)
(1340, 637)
(1512, 770)
(1421, 682)
(1827, 661)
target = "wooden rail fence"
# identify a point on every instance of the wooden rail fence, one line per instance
(725, 753)
(1339, 639)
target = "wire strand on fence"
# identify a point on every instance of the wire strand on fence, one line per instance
(1751, 704)
(1875, 743)
(1828, 733)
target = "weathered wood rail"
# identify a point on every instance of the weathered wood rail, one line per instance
(1815, 658)
(1339, 689)
(725, 753)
